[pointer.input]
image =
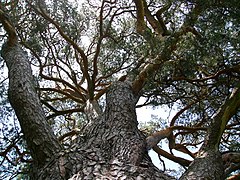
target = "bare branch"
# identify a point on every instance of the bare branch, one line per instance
(179, 160)
(9, 28)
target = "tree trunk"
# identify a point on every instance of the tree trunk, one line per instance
(111, 147)
(24, 100)
(208, 165)
(209, 162)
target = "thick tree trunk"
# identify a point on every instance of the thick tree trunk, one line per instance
(111, 147)
(24, 100)
(208, 165)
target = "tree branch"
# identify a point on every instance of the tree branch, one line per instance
(222, 116)
(24, 99)
(179, 160)
(140, 26)
(9, 28)
(209, 152)
(43, 13)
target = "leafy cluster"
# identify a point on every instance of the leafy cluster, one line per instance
(78, 49)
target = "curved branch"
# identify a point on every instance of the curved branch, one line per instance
(179, 160)
(90, 83)
(156, 137)
(140, 26)
(24, 100)
(9, 28)
(180, 112)
(222, 116)
(81, 95)
(210, 76)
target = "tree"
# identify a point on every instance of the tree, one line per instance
(179, 52)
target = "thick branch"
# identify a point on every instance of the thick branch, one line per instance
(24, 99)
(153, 66)
(157, 24)
(209, 157)
(221, 118)
(140, 16)
(179, 160)
(231, 161)
(170, 46)
(9, 28)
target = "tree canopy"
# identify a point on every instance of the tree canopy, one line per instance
(176, 54)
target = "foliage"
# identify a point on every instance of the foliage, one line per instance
(78, 49)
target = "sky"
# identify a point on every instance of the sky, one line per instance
(145, 114)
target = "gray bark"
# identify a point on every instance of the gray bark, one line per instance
(208, 165)
(24, 100)
(111, 147)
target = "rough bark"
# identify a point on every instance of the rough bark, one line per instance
(209, 162)
(111, 147)
(24, 100)
(208, 165)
